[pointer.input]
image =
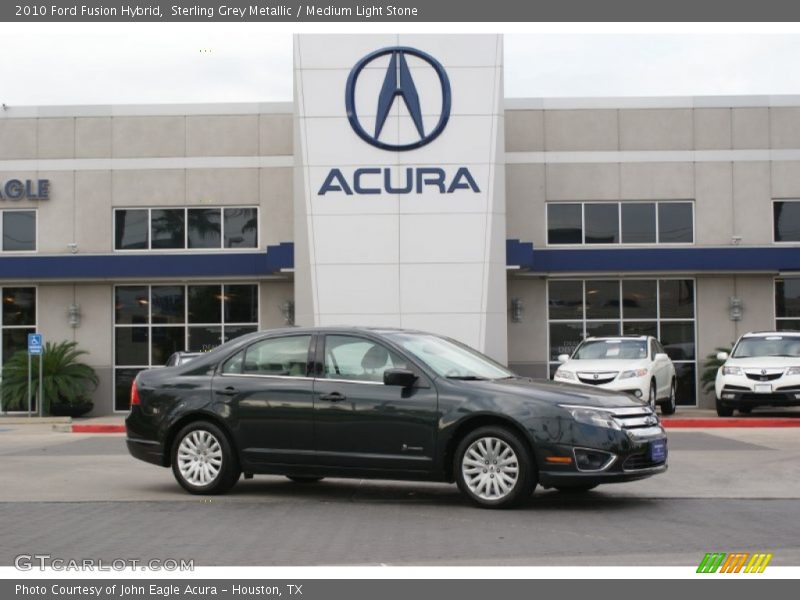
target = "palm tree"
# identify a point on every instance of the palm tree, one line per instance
(65, 379)
(710, 367)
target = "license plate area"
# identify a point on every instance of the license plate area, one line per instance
(658, 450)
(762, 388)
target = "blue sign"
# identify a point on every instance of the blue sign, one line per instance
(397, 82)
(35, 343)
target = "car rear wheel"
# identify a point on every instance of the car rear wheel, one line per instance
(494, 468)
(203, 461)
(668, 407)
(303, 479)
(723, 411)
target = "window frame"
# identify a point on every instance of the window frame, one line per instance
(186, 249)
(620, 243)
(3, 327)
(35, 212)
(774, 228)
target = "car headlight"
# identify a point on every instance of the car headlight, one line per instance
(592, 416)
(731, 371)
(633, 373)
(793, 371)
(562, 374)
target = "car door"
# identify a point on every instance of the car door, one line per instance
(362, 424)
(270, 393)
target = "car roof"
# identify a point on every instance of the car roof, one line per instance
(343, 329)
(788, 333)
(620, 337)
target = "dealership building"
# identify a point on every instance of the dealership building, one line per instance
(400, 188)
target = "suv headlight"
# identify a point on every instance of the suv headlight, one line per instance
(731, 371)
(561, 373)
(592, 416)
(633, 373)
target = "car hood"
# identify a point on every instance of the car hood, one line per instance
(603, 365)
(553, 392)
(768, 362)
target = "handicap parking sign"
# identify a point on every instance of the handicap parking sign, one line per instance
(35, 343)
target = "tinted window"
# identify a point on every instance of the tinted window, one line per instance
(123, 378)
(639, 299)
(638, 223)
(241, 303)
(19, 306)
(675, 223)
(565, 299)
(564, 338)
(131, 304)
(168, 228)
(19, 230)
(205, 303)
(15, 340)
(131, 345)
(676, 299)
(241, 228)
(130, 229)
(168, 304)
(601, 222)
(358, 359)
(786, 221)
(787, 297)
(165, 341)
(564, 224)
(678, 339)
(204, 338)
(602, 328)
(286, 356)
(640, 328)
(204, 228)
(602, 299)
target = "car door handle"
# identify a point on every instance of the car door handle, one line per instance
(228, 391)
(333, 397)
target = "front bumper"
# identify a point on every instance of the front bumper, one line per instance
(636, 386)
(746, 398)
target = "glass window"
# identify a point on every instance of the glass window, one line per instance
(676, 297)
(358, 359)
(686, 388)
(168, 304)
(284, 356)
(19, 230)
(131, 305)
(564, 338)
(787, 297)
(205, 303)
(204, 228)
(447, 357)
(19, 306)
(675, 223)
(168, 227)
(787, 325)
(15, 340)
(204, 338)
(639, 299)
(601, 223)
(565, 299)
(130, 229)
(165, 341)
(123, 379)
(677, 337)
(132, 346)
(602, 329)
(602, 299)
(234, 364)
(611, 350)
(241, 228)
(638, 223)
(564, 224)
(640, 328)
(234, 331)
(786, 219)
(241, 303)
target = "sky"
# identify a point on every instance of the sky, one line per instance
(46, 64)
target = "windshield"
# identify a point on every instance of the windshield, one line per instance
(450, 359)
(611, 349)
(770, 345)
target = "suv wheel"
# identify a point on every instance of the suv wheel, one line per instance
(668, 407)
(723, 411)
(493, 468)
(203, 461)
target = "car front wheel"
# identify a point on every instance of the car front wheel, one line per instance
(723, 411)
(203, 461)
(494, 468)
(668, 407)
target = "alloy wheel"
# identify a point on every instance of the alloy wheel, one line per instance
(199, 457)
(490, 468)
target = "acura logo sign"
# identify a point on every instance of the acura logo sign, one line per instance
(398, 85)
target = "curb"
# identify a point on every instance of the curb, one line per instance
(95, 428)
(723, 422)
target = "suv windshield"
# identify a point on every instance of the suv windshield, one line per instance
(450, 359)
(768, 345)
(611, 349)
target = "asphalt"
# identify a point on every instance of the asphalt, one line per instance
(81, 495)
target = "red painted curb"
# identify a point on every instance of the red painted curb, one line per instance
(721, 422)
(98, 428)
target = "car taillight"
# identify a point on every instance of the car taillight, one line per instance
(134, 394)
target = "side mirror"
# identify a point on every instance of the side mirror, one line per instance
(662, 356)
(402, 377)
(722, 356)
(562, 358)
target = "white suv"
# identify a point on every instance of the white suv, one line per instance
(763, 369)
(634, 364)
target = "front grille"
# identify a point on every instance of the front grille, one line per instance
(767, 377)
(597, 378)
(731, 387)
(635, 418)
(640, 461)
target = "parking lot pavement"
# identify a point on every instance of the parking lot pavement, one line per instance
(726, 490)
